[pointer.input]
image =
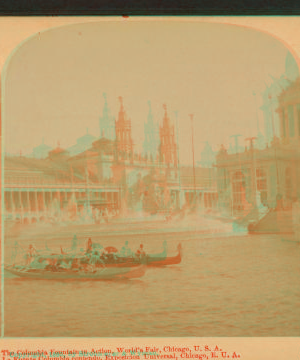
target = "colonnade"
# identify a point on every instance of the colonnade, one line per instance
(290, 122)
(31, 201)
(206, 199)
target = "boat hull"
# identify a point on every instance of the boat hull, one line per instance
(151, 261)
(99, 274)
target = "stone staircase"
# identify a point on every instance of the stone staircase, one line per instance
(274, 222)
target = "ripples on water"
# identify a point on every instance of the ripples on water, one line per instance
(225, 286)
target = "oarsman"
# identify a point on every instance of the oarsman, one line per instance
(31, 254)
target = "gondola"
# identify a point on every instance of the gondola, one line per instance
(163, 261)
(65, 265)
(98, 273)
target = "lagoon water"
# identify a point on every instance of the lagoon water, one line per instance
(226, 285)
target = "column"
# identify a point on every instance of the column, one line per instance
(21, 205)
(286, 118)
(59, 199)
(282, 124)
(44, 199)
(20, 199)
(36, 202)
(28, 201)
(6, 202)
(50, 196)
(13, 207)
(296, 121)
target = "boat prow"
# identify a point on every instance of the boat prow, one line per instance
(174, 260)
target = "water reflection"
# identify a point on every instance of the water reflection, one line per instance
(240, 286)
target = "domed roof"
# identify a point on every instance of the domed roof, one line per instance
(42, 147)
(291, 67)
(86, 139)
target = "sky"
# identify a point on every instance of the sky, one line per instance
(54, 81)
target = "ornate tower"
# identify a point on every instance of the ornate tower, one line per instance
(271, 95)
(151, 142)
(123, 133)
(107, 122)
(168, 154)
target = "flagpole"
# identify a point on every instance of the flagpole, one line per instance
(178, 164)
(87, 184)
(194, 175)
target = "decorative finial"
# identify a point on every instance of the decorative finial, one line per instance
(58, 144)
(104, 95)
(121, 100)
(165, 107)
(191, 116)
(149, 104)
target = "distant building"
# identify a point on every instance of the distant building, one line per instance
(203, 186)
(167, 147)
(83, 143)
(272, 173)
(58, 154)
(41, 151)
(151, 141)
(107, 122)
(260, 142)
(106, 173)
(208, 156)
(123, 133)
(271, 94)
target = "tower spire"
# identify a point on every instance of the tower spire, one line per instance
(166, 118)
(107, 122)
(165, 107)
(121, 102)
(150, 109)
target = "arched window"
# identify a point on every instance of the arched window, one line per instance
(261, 184)
(238, 191)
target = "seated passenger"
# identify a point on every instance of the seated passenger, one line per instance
(75, 264)
(125, 251)
(64, 264)
(140, 251)
(38, 263)
(52, 264)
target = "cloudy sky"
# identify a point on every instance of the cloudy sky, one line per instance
(54, 81)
